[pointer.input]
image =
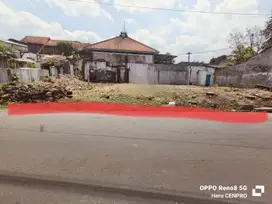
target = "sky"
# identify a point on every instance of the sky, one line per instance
(174, 32)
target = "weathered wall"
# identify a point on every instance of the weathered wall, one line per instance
(3, 75)
(144, 73)
(25, 75)
(96, 67)
(257, 70)
(53, 71)
(157, 74)
(30, 56)
(199, 73)
(120, 57)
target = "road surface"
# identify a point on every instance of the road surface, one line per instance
(85, 158)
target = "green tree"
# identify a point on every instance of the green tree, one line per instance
(241, 54)
(66, 48)
(6, 51)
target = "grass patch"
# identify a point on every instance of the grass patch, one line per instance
(3, 107)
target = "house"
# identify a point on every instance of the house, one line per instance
(41, 48)
(116, 56)
(46, 45)
(12, 62)
(200, 73)
(14, 54)
(19, 48)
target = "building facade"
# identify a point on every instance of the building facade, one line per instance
(112, 59)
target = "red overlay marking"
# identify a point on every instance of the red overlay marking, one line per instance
(135, 110)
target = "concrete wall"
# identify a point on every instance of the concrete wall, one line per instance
(97, 67)
(44, 72)
(54, 71)
(25, 75)
(168, 74)
(157, 74)
(30, 56)
(3, 75)
(120, 57)
(199, 73)
(145, 73)
(257, 70)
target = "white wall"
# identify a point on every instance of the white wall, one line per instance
(3, 75)
(197, 79)
(157, 74)
(25, 75)
(71, 69)
(138, 73)
(172, 77)
(30, 56)
(142, 73)
(53, 71)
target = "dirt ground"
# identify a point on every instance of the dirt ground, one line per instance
(222, 98)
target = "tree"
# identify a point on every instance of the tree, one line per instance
(251, 37)
(241, 54)
(245, 44)
(236, 39)
(255, 38)
(267, 32)
(66, 48)
(7, 51)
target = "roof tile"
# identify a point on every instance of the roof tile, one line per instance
(35, 40)
(122, 44)
(49, 42)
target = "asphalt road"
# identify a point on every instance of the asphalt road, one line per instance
(84, 158)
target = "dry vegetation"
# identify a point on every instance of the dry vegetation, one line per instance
(223, 98)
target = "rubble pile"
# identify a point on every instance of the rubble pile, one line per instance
(70, 82)
(33, 92)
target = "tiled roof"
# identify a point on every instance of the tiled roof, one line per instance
(122, 44)
(48, 41)
(35, 40)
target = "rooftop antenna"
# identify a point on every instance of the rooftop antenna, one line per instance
(124, 29)
(124, 32)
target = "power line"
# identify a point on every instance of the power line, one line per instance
(172, 9)
(203, 52)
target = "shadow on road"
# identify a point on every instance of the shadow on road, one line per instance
(100, 189)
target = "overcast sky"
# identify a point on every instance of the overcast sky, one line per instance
(166, 31)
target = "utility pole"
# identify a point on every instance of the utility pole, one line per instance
(251, 40)
(189, 67)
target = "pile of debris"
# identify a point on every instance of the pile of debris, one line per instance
(69, 82)
(33, 92)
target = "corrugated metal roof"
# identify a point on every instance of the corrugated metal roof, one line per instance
(12, 43)
(122, 44)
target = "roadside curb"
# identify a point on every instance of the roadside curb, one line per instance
(264, 109)
(137, 111)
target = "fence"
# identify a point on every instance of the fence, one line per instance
(138, 73)
(257, 70)
(157, 74)
(25, 75)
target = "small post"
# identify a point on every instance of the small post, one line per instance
(188, 67)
